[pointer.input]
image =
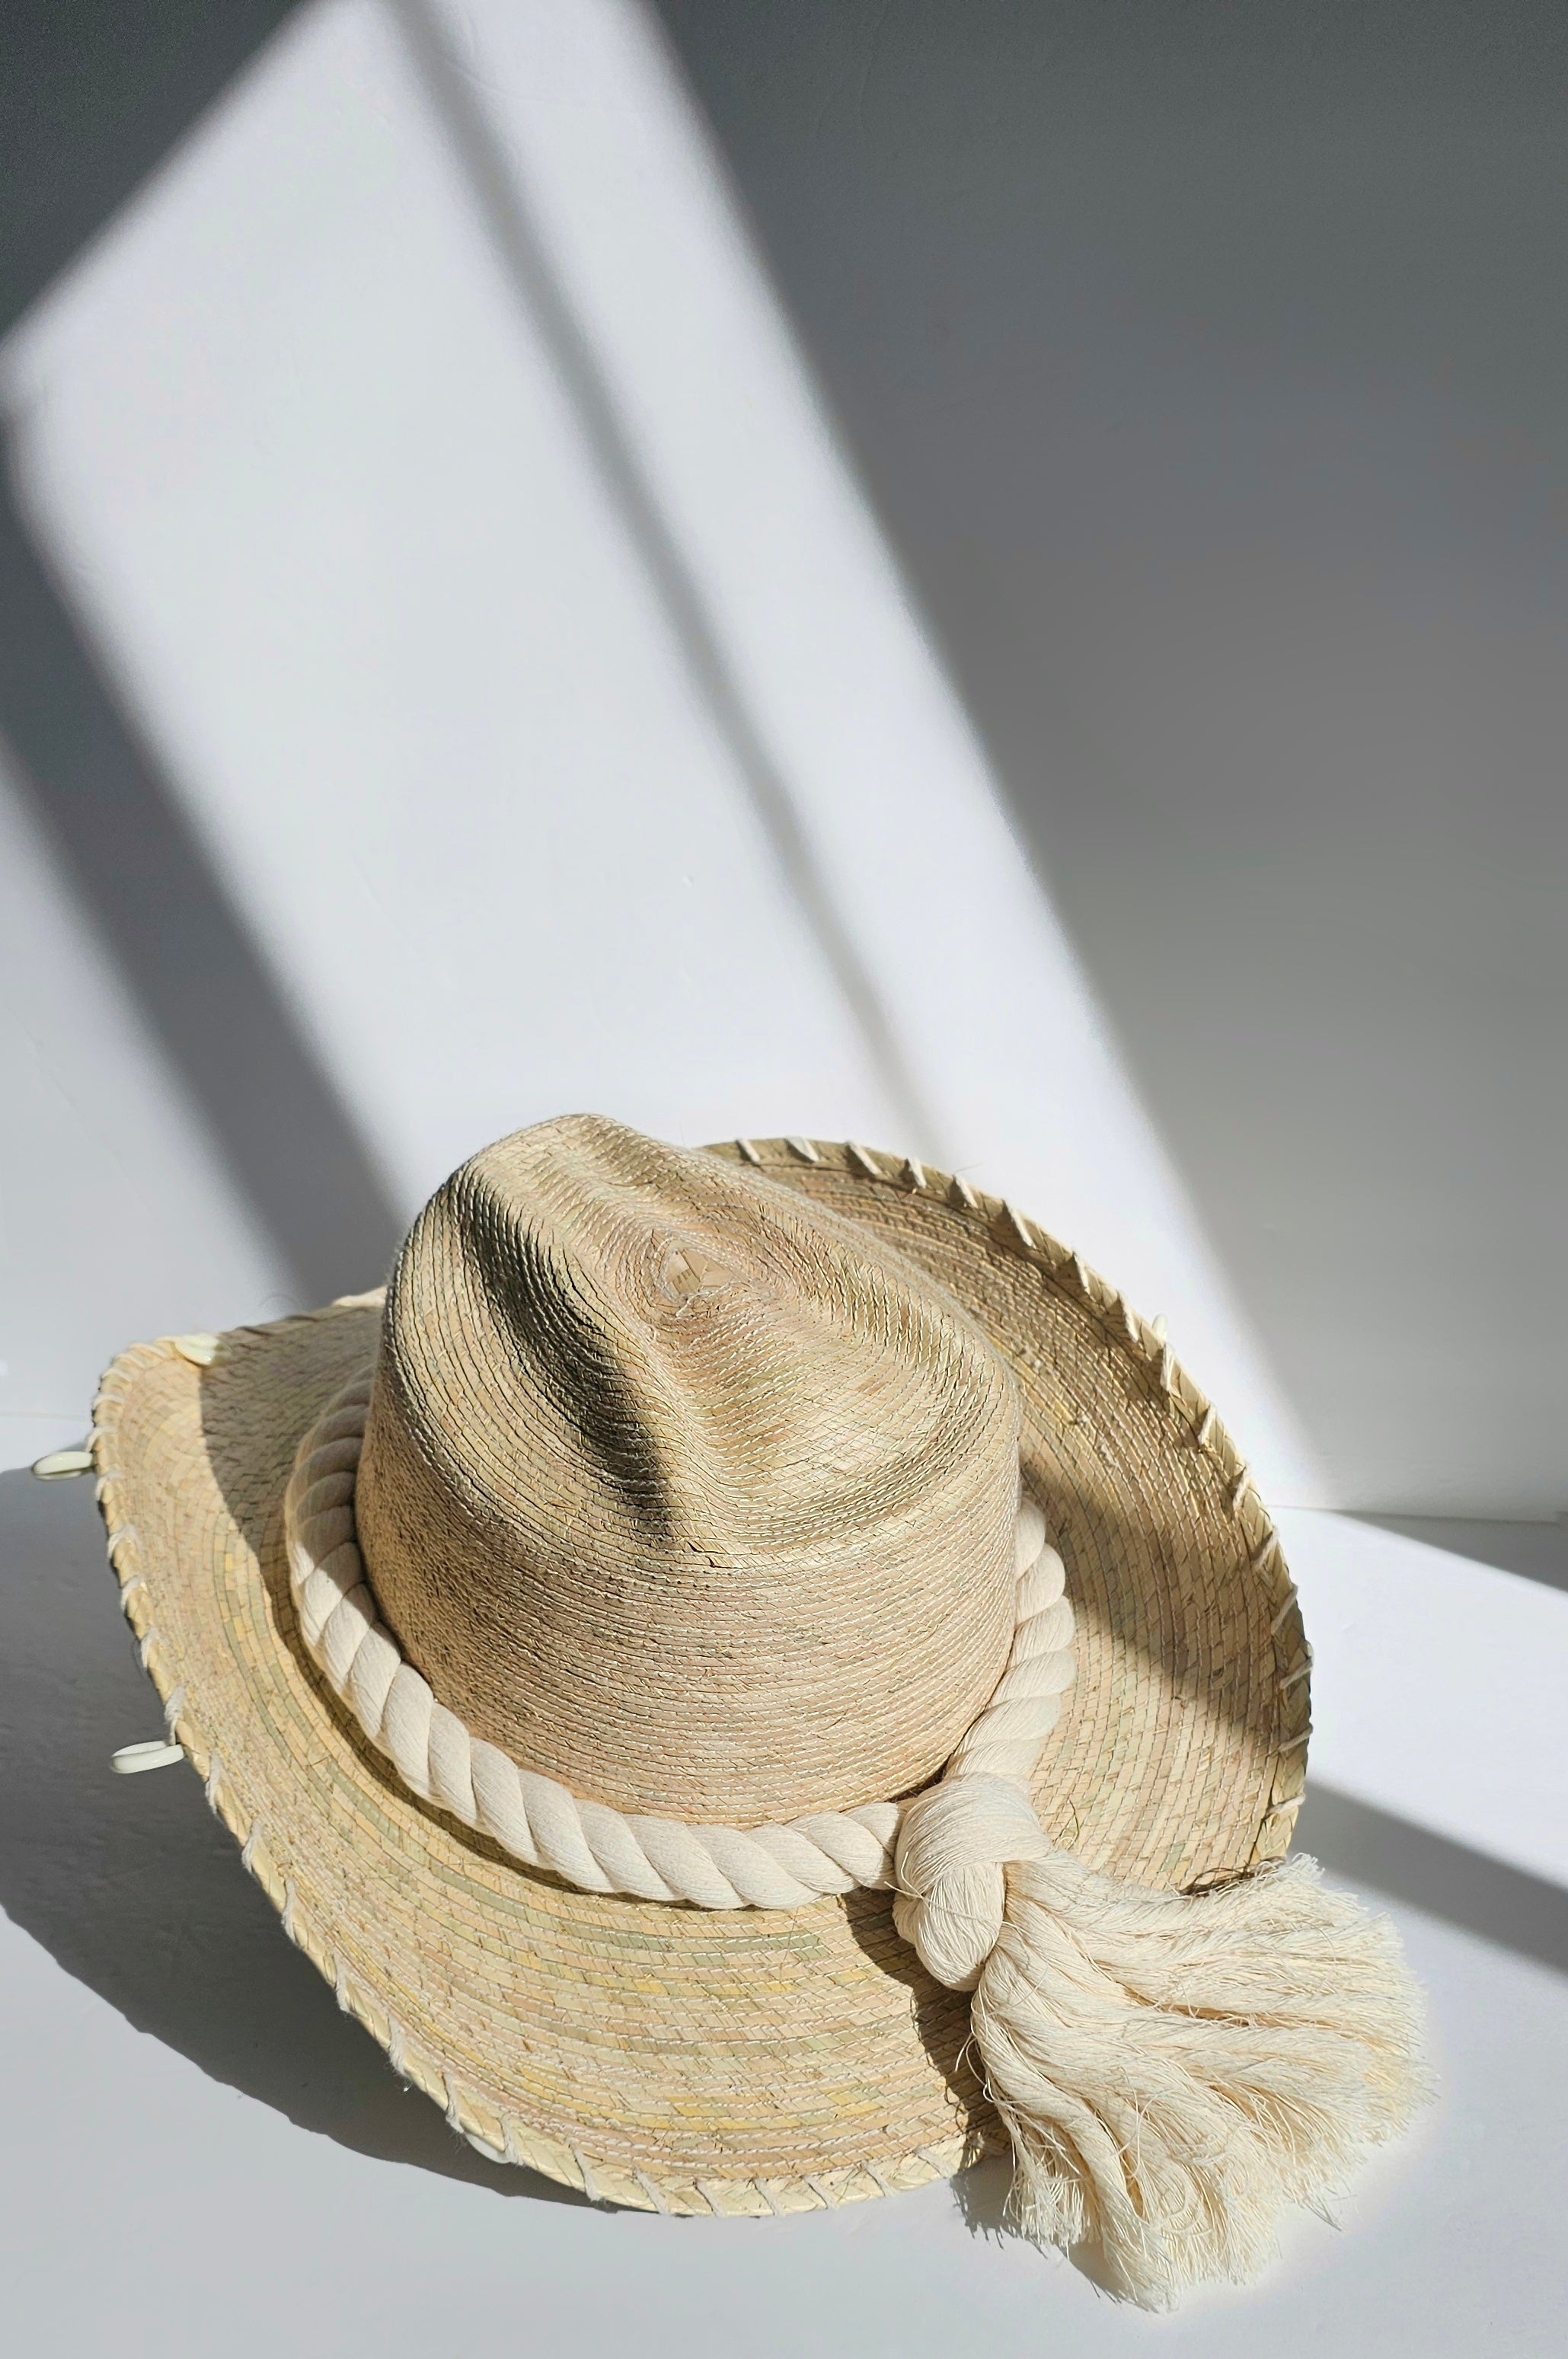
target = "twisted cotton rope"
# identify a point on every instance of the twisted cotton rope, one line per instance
(539, 1823)
(1171, 2069)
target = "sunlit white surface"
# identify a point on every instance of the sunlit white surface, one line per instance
(203, 2154)
(1438, 1687)
(217, 2223)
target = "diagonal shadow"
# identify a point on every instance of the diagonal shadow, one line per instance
(184, 953)
(1370, 1847)
(135, 1889)
(517, 245)
(1536, 1552)
(1116, 313)
(92, 98)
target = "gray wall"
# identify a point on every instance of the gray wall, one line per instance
(1209, 369)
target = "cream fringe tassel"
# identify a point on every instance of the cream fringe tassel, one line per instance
(1173, 2069)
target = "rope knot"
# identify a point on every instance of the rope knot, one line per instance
(955, 1844)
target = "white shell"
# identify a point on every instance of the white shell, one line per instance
(131, 1759)
(57, 1464)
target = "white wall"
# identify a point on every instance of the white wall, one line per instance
(113, 1217)
(1204, 366)
(431, 474)
(508, 706)
(430, 467)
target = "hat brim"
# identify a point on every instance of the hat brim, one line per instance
(669, 2057)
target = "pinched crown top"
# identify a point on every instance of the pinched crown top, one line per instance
(681, 1490)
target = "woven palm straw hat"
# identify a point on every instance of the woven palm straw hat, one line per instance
(634, 1657)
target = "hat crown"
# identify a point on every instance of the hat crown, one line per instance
(681, 1489)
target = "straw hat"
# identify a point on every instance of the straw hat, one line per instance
(756, 1677)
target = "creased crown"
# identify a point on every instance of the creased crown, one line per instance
(681, 1489)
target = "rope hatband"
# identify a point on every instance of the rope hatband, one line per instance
(599, 1849)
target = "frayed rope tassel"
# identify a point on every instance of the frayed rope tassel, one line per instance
(1173, 2068)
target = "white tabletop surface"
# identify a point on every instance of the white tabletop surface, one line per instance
(200, 2153)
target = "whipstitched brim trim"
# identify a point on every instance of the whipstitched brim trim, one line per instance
(690, 2064)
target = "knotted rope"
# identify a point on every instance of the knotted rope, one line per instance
(1172, 2069)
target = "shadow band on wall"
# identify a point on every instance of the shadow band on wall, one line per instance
(93, 96)
(545, 302)
(1194, 361)
(184, 953)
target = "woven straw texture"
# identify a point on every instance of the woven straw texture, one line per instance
(677, 1494)
(665, 2057)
